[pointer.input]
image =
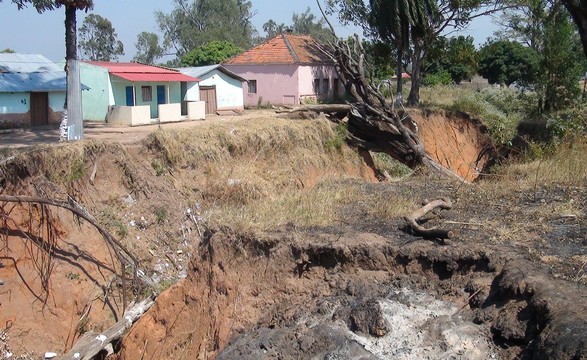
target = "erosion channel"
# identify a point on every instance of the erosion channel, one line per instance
(271, 239)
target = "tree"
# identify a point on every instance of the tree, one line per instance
(524, 22)
(562, 64)
(98, 39)
(440, 16)
(578, 11)
(213, 52)
(506, 62)
(148, 48)
(455, 56)
(395, 21)
(305, 23)
(7, 51)
(73, 98)
(193, 24)
(546, 27)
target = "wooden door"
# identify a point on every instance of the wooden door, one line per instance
(208, 94)
(39, 108)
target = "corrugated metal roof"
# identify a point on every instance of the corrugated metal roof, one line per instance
(200, 71)
(142, 72)
(26, 63)
(38, 82)
(282, 49)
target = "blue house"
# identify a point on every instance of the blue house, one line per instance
(32, 91)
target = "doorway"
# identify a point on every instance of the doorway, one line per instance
(39, 108)
(208, 94)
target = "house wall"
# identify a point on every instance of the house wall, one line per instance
(15, 109)
(276, 84)
(193, 92)
(326, 74)
(229, 91)
(96, 100)
(173, 93)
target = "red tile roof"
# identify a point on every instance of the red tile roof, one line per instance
(282, 49)
(141, 72)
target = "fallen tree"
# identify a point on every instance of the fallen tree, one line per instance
(93, 343)
(435, 233)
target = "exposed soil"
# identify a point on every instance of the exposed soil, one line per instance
(511, 285)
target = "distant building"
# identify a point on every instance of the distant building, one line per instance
(220, 88)
(286, 70)
(32, 91)
(137, 94)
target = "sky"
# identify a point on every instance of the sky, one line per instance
(26, 31)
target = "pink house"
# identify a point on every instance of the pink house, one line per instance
(286, 70)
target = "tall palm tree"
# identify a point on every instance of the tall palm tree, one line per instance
(73, 98)
(395, 21)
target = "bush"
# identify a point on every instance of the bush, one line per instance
(501, 109)
(442, 77)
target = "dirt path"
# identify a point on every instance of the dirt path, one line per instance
(18, 138)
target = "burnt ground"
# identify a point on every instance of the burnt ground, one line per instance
(511, 284)
(514, 276)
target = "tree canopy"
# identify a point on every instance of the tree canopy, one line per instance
(455, 56)
(213, 52)
(148, 48)
(506, 62)
(98, 39)
(305, 23)
(44, 5)
(193, 24)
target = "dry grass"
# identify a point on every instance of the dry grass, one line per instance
(443, 95)
(242, 162)
(322, 205)
(566, 167)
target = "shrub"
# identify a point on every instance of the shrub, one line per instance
(442, 77)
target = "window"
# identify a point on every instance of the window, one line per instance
(147, 92)
(316, 86)
(252, 86)
(324, 89)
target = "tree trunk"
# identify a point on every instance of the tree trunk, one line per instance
(578, 11)
(399, 97)
(372, 123)
(73, 98)
(417, 58)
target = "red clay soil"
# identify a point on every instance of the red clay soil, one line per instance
(457, 142)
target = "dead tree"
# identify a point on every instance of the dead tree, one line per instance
(373, 123)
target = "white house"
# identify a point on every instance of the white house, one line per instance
(220, 88)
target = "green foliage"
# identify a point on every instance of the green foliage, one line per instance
(506, 62)
(158, 166)
(338, 140)
(305, 23)
(160, 215)
(566, 123)
(442, 77)
(213, 52)
(500, 109)
(562, 62)
(193, 24)
(380, 59)
(456, 56)
(44, 5)
(7, 51)
(148, 48)
(98, 39)
(386, 163)
(77, 170)
(72, 276)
